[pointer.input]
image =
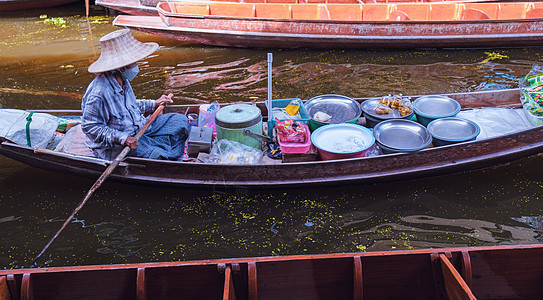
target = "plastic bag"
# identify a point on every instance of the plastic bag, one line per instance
(73, 142)
(293, 107)
(531, 88)
(64, 124)
(291, 132)
(496, 121)
(399, 102)
(229, 152)
(206, 118)
(41, 127)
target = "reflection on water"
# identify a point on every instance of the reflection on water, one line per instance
(43, 65)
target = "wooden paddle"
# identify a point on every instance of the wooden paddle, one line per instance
(102, 178)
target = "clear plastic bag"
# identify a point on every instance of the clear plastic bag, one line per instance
(229, 152)
(206, 118)
(531, 89)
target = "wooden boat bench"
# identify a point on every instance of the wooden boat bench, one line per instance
(511, 272)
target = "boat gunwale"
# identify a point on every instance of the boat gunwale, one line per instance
(263, 259)
(168, 14)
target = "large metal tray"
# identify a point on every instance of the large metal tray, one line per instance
(342, 109)
(402, 135)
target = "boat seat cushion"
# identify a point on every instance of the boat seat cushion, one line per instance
(74, 143)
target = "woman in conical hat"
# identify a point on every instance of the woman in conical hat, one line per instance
(111, 113)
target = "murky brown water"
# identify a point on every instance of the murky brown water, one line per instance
(43, 63)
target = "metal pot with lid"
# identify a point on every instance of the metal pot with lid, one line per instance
(231, 122)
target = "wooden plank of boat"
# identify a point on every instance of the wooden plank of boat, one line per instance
(399, 25)
(428, 162)
(492, 272)
(148, 7)
(12, 5)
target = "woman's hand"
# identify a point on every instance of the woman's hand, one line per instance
(164, 100)
(131, 142)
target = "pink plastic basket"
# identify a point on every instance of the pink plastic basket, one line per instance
(297, 148)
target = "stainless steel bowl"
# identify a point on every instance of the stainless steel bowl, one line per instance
(431, 107)
(342, 109)
(447, 131)
(402, 135)
(338, 141)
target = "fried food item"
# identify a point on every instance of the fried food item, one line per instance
(385, 100)
(395, 103)
(404, 110)
(382, 109)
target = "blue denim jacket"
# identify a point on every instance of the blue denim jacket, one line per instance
(111, 114)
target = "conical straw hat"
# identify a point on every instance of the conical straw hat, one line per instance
(119, 49)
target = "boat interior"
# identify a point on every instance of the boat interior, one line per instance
(504, 272)
(439, 11)
(155, 2)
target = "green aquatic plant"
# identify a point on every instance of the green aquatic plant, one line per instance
(493, 56)
(60, 22)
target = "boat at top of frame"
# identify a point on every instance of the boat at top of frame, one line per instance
(485, 272)
(465, 156)
(13, 5)
(398, 25)
(148, 7)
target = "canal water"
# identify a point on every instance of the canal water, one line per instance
(44, 57)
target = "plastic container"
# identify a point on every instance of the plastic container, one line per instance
(282, 103)
(297, 148)
(231, 122)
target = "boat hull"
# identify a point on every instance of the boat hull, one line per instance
(307, 34)
(429, 162)
(402, 25)
(13, 5)
(492, 272)
(132, 7)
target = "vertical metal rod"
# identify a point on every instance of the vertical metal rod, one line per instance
(270, 114)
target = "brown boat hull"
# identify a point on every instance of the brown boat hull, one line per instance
(497, 272)
(429, 162)
(239, 39)
(13, 5)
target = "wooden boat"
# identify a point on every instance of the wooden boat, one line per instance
(11, 5)
(398, 25)
(428, 162)
(148, 7)
(495, 272)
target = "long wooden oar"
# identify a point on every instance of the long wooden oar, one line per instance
(102, 178)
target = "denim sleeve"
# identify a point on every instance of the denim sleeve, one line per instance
(95, 124)
(145, 105)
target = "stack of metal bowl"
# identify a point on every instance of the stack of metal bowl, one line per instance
(341, 109)
(401, 136)
(448, 131)
(340, 141)
(431, 107)
(373, 118)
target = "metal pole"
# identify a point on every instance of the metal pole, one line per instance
(270, 114)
